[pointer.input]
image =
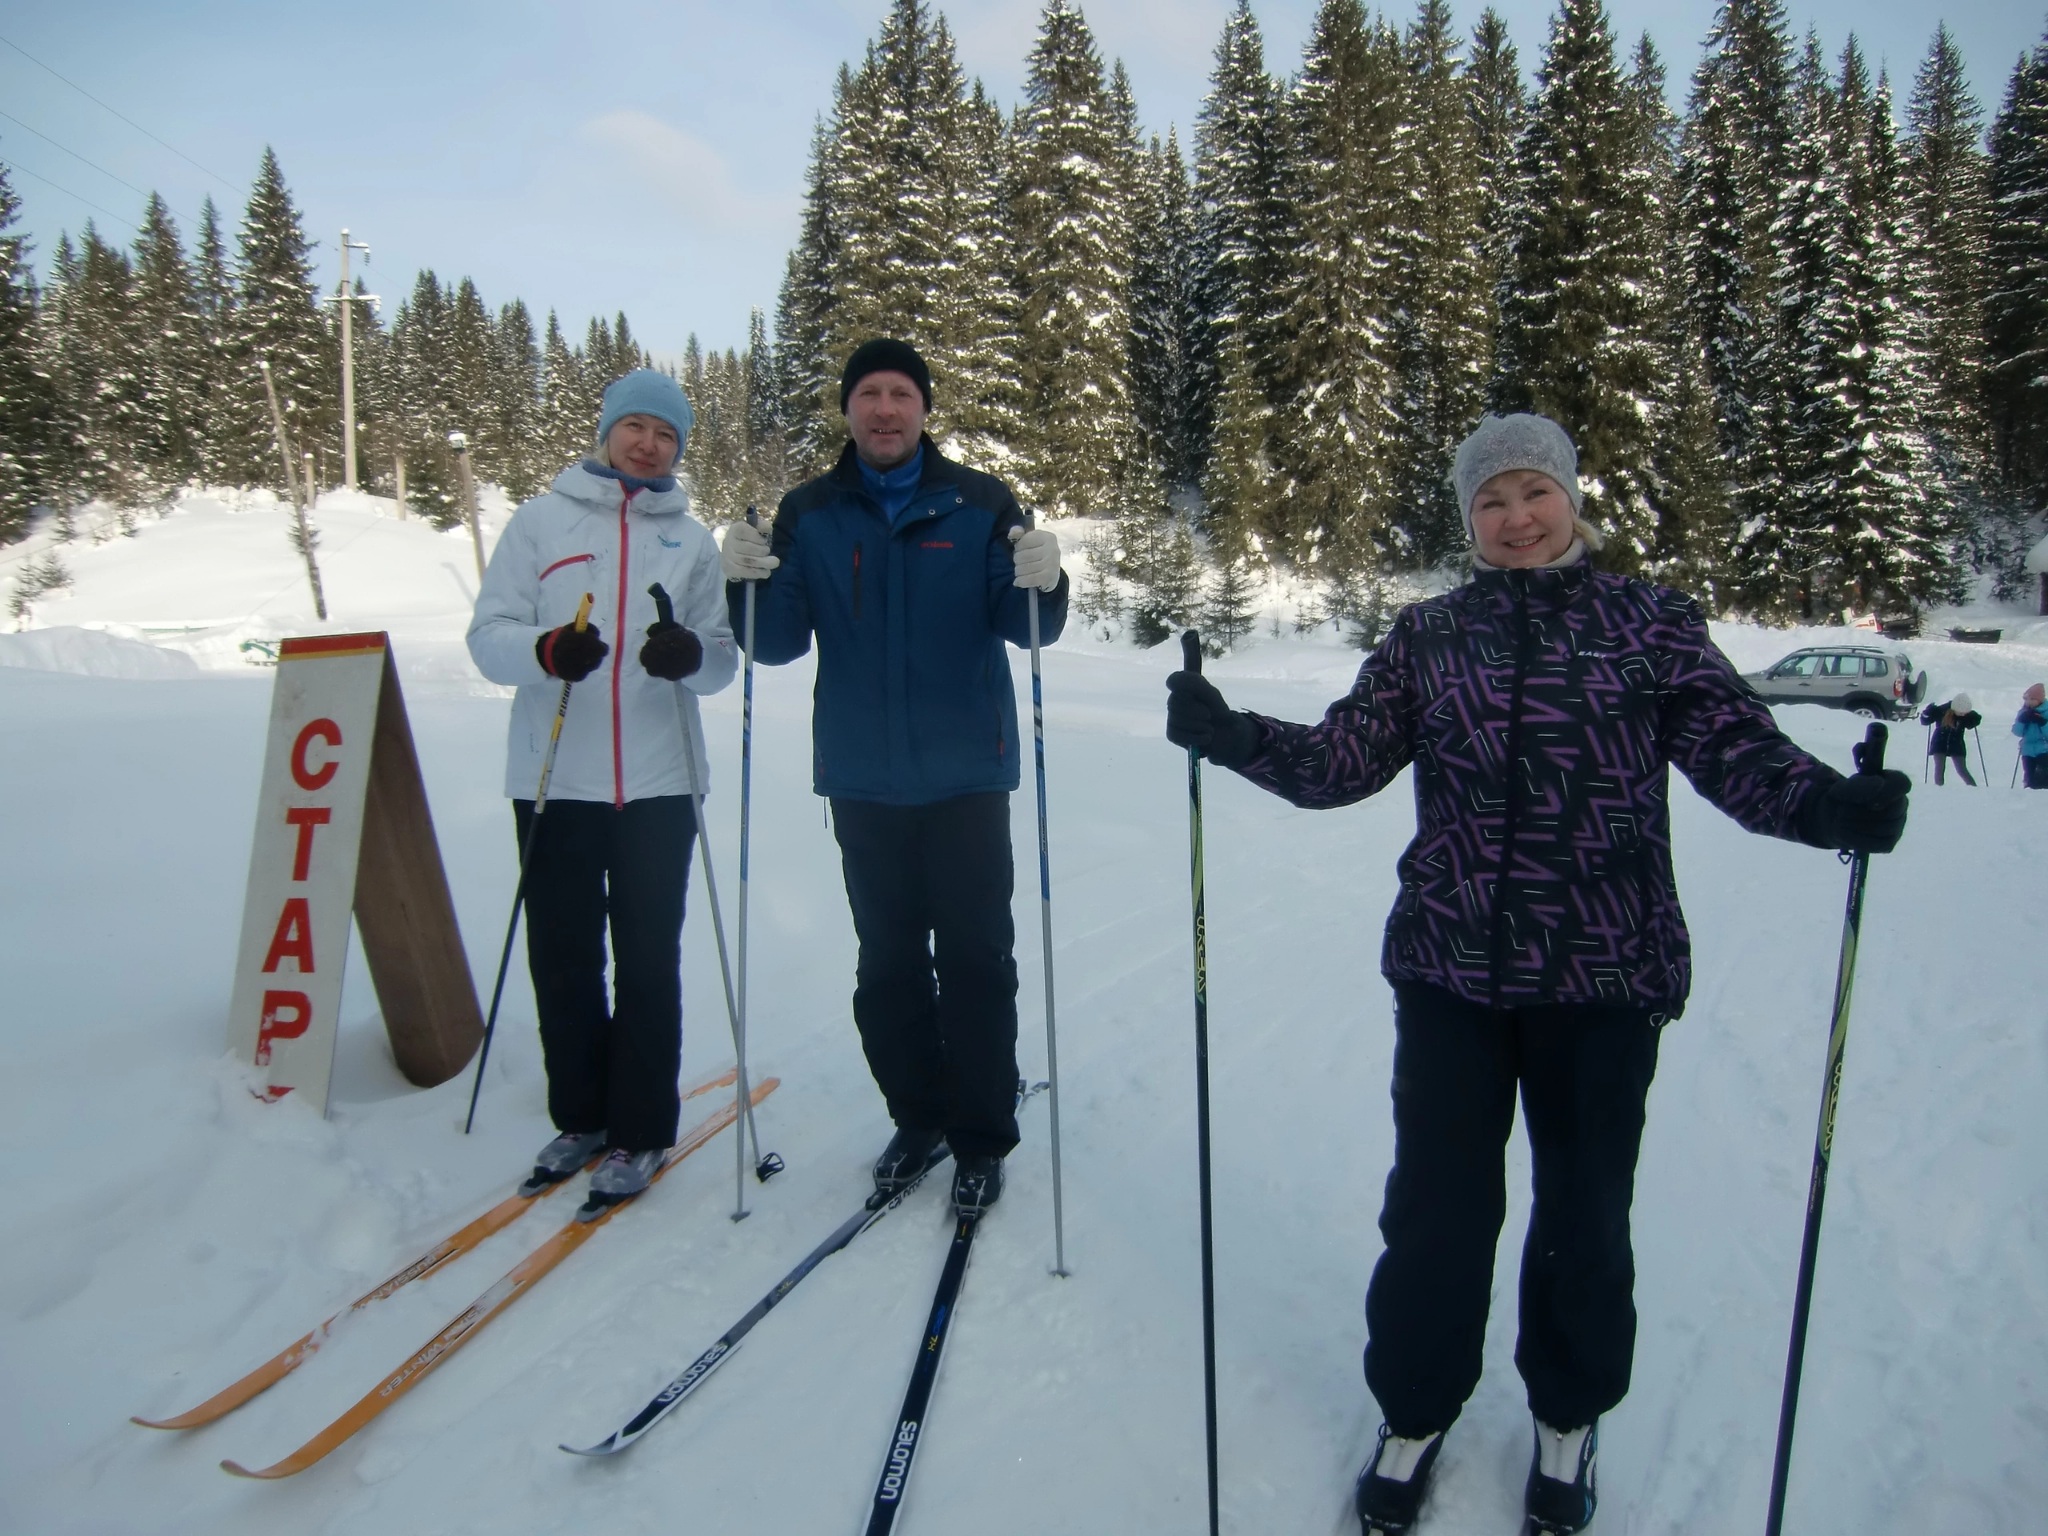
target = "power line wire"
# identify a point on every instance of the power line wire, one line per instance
(88, 95)
(12, 165)
(95, 165)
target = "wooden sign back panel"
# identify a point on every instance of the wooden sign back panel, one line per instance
(405, 914)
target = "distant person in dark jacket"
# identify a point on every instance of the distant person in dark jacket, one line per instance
(1536, 946)
(1945, 740)
(912, 572)
(2032, 729)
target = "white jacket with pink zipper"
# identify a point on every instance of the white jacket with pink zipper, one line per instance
(624, 736)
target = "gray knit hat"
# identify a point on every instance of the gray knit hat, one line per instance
(1521, 441)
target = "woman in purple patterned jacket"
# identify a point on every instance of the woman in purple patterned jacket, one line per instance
(1537, 942)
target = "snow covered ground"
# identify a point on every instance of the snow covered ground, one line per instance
(163, 1231)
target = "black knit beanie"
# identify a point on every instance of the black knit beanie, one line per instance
(884, 355)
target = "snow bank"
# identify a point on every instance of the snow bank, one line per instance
(92, 653)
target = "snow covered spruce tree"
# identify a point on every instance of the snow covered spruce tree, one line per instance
(1856, 532)
(1235, 219)
(171, 344)
(1163, 315)
(1731, 159)
(276, 318)
(1578, 317)
(1499, 106)
(2016, 299)
(25, 393)
(213, 295)
(1342, 180)
(1071, 220)
(904, 234)
(1441, 327)
(565, 392)
(95, 445)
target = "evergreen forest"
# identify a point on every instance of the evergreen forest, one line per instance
(1799, 330)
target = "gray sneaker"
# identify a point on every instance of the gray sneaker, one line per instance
(623, 1174)
(562, 1158)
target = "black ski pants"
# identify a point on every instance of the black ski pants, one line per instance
(935, 992)
(611, 1066)
(1584, 1073)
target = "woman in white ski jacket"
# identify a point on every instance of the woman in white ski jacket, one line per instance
(613, 846)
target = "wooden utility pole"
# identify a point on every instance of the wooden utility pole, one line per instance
(460, 443)
(291, 482)
(346, 302)
(398, 472)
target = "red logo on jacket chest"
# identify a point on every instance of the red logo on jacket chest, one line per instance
(936, 544)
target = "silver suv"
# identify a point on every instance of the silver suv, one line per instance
(1862, 679)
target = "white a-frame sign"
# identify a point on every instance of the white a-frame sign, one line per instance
(342, 826)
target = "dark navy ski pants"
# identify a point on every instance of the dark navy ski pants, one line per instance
(1583, 1073)
(612, 1065)
(935, 992)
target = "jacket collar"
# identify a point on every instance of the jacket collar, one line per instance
(938, 469)
(1544, 589)
(601, 492)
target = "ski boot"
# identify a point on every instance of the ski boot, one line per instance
(561, 1158)
(1560, 1496)
(1390, 1489)
(620, 1177)
(906, 1157)
(977, 1183)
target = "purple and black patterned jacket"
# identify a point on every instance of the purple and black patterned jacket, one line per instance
(1553, 884)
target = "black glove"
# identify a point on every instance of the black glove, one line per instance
(570, 653)
(672, 652)
(1198, 717)
(1864, 813)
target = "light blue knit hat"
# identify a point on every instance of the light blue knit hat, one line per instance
(644, 392)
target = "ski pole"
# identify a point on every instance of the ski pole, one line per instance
(1052, 1047)
(1925, 760)
(1869, 759)
(2015, 769)
(540, 803)
(746, 812)
(765, 1167)
(1983, 762)
(1191, 659)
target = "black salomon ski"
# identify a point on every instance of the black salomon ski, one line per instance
(910, 1423)
(692, 1377)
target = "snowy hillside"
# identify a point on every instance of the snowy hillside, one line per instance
(164, 1231)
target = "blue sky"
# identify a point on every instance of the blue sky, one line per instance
(631, 155)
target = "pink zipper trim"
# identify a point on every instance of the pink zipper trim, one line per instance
(619, 664)
(567, 560)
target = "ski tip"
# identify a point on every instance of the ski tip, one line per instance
(136, 1418)
(235, 1468)
(603, 1447)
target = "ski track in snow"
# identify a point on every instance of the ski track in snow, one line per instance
(165, 1231)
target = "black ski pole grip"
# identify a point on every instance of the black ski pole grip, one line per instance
(753, 518)
(1869, 753)
(664, 610)
(1191, 652)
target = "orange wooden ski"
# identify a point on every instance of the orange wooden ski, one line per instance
(282, 1364)
(515, 1283)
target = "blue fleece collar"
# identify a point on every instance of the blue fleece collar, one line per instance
(630, 482)
(893, 488)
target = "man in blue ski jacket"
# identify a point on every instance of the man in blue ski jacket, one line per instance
(912, 571)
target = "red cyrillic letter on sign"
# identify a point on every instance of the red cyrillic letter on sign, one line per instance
(294, 937)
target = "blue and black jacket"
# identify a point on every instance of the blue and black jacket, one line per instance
(913, 701)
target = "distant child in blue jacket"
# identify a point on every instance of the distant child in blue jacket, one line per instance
(2032, 729)
(912, 572)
